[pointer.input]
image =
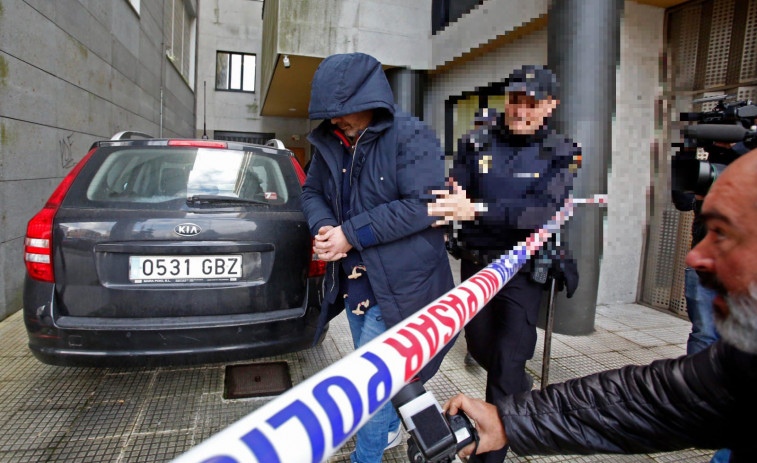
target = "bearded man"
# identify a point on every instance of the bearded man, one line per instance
(704, 400)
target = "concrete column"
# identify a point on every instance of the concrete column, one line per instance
(583, 51)
(407, 86)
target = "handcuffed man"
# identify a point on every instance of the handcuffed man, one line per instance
(365, 200)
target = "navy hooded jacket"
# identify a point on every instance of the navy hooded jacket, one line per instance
(397, 162)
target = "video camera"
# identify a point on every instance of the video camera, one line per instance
(435, 437)
(727, 123)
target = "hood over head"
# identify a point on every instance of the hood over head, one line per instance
(347, 84)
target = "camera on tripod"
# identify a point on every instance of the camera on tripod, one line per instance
(713, 132)
(435, 437)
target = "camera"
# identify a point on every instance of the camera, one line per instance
(727, 123)
(435, 436)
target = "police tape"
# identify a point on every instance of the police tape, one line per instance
(311, 421)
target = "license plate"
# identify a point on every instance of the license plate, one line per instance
(162, 269)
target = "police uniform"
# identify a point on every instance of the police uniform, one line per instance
(520, 181)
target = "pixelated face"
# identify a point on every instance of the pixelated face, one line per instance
(353, 123)
(726, 259)
(524, 114)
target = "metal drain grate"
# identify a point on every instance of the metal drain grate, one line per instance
(256, 380)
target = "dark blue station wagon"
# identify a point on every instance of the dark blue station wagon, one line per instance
(157, 251)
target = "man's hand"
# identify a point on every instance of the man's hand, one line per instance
(331, 244)
(451, 206)
(491, 433)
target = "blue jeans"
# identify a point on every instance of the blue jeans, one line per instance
(371, 438)
(721, 456)
(699, 308)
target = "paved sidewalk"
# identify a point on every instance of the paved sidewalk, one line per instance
(57, 414)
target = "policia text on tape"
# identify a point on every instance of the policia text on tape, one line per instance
(311, 421)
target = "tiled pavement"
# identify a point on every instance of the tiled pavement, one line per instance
(57, 414)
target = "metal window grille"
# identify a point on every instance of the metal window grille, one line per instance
(244, 137)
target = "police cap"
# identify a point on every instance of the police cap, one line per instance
(536, 81)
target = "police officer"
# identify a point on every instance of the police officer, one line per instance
(508, 179)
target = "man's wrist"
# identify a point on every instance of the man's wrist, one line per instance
(349, 232)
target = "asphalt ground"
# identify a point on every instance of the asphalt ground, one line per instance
(60, 414)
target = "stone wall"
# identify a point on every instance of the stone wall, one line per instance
(73, 72)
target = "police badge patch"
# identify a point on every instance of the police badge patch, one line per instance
(485, 163)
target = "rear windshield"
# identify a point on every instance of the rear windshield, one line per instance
(166, 177)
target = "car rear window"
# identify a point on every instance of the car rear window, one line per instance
(164, 177)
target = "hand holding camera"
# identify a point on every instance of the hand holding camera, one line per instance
(435, 436)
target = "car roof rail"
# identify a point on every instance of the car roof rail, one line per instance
(129, 134)
(276, 143)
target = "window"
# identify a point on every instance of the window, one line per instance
(163, 178)
(259, 138)
(179, 18)
(235, 71)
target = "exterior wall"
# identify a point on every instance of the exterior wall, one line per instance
(637, 88)
(396, 32)
(482, 25)
(236, 26)
(72, 72)
(633, 134)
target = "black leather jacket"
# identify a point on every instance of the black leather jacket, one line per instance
(705, 400)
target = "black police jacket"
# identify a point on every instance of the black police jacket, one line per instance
(523, 181)
(705, 400)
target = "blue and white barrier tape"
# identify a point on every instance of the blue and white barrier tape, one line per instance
(311, 421)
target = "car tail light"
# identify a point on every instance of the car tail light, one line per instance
(39, 232)
(198, 143)
(317, 267)
(298, 169)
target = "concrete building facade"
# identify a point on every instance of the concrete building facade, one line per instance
(236, 27)
(638, 86)
(481, 47)
(73, 72)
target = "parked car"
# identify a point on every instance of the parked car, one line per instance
(157, 251)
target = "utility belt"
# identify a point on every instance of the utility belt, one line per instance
(478, 257)
(548, 262)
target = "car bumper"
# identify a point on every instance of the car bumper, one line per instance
(71, 341)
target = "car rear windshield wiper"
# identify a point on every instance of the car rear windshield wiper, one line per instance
(196, 200)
